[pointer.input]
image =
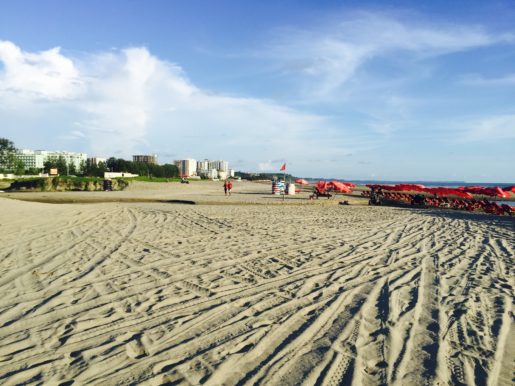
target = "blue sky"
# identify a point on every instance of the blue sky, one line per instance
(351, 89)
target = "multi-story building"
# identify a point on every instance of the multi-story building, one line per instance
(148, 159)
(211, 174)
(205, 168)
(71, 158)
(31, 158)
(219, 165)
(202, 167)
(37, 158)
(187, 167)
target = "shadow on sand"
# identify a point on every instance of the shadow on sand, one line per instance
(184, 202)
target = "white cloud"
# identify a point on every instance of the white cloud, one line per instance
(495, 128)
(47, 74)
(130, 101)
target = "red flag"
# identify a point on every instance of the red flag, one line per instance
(283, 167)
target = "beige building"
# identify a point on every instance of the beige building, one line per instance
(148, 159)
(187, 167)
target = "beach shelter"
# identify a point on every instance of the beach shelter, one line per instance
(340, 187)
(322, 186)
(301, 181)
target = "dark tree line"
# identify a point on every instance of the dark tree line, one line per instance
(263, 176)
(142, 168)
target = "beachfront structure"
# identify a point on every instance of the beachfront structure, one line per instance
(110, 175)
(37, 158)
(187, 167)
(206, 168)
(202, 167)
(209, 173)
(219, 165)
(222, 175)
(148, 159)
(231, 172)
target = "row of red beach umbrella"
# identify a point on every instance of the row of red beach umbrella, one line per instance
(335, 186)
(323, 186)
(444, 202)
(462, 191)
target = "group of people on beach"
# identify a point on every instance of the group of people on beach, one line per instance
(227, 187)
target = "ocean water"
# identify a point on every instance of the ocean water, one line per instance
(432, 184)
(429, 184)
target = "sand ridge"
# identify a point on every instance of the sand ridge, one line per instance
(150, 293)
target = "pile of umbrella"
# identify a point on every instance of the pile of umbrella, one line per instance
(462, 191)
(334, 186)
(454, 198)
(331, 186)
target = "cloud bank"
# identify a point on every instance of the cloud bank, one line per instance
(130, 101)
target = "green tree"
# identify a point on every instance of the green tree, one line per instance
(170, 171)
(83, 168)
(18, 167)
(58, 163)
(71, 170)
(100, 169)
(32, 171)
(7, 155)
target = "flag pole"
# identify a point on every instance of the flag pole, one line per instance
(284, 179)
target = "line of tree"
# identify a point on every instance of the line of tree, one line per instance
(142, 168)
(263, 176)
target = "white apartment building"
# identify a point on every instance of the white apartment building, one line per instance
(37, 158)
(202, 167)
(31, 158)
(187, 167)
(206, 168)
(219, 165)
(211, 174)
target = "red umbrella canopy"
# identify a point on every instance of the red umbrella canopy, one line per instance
(340, 186)
(301, 181)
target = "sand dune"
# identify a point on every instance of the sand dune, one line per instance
(150, 293)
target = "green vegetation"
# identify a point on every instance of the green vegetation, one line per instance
(66, 184)
(143, 169)
(8, 161)
(263, 176)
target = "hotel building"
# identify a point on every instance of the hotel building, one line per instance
(148, 159)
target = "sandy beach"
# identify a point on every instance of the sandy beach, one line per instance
(132, 287)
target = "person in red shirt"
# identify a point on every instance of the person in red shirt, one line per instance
(227, 187)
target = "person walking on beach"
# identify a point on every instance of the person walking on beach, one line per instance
(227, 187)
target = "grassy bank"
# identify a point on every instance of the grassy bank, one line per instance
(65, 183)
(155, 179)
